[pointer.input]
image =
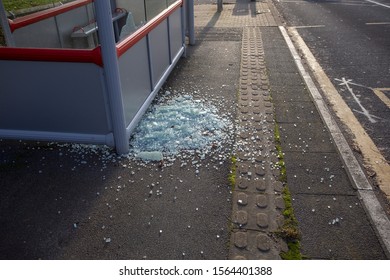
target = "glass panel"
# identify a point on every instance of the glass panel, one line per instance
(135, 16)
(154, 7)
(139, 12)
(170, 2)
(40, 34)
(78, 27)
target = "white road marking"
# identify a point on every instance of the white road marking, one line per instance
(355, 84)
(309, 26)
(363, 111)
(378, 3)
(377, 23)
(378, 91)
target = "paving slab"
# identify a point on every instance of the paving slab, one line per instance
(287, 79)
(236, 14)
(305, 137)
(276, 61)
(326, 176)
(294, 112)
(338, 227)
(284, 93)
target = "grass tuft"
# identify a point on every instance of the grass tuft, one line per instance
(232, 174)
(289, 231)
(14, 5)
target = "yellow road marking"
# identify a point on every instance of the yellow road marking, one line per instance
(382, 96)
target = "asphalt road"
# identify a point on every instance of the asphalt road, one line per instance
(351, 41)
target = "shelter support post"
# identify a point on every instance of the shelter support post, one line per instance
(190, 21)
(5, 26)
(111, 74)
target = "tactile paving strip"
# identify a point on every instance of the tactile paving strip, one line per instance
(257, 199)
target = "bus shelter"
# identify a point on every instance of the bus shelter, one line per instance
(87, 70)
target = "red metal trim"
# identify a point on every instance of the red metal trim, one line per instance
(134, 38)
(53, 55)
(33, 18)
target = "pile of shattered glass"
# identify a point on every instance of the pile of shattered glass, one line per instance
(176, 126)
(180, 124)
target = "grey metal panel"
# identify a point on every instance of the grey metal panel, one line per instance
(135, 78)
(175, 29)
(107, 139)
(159, 50)
(42, 34)
(53, 97)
